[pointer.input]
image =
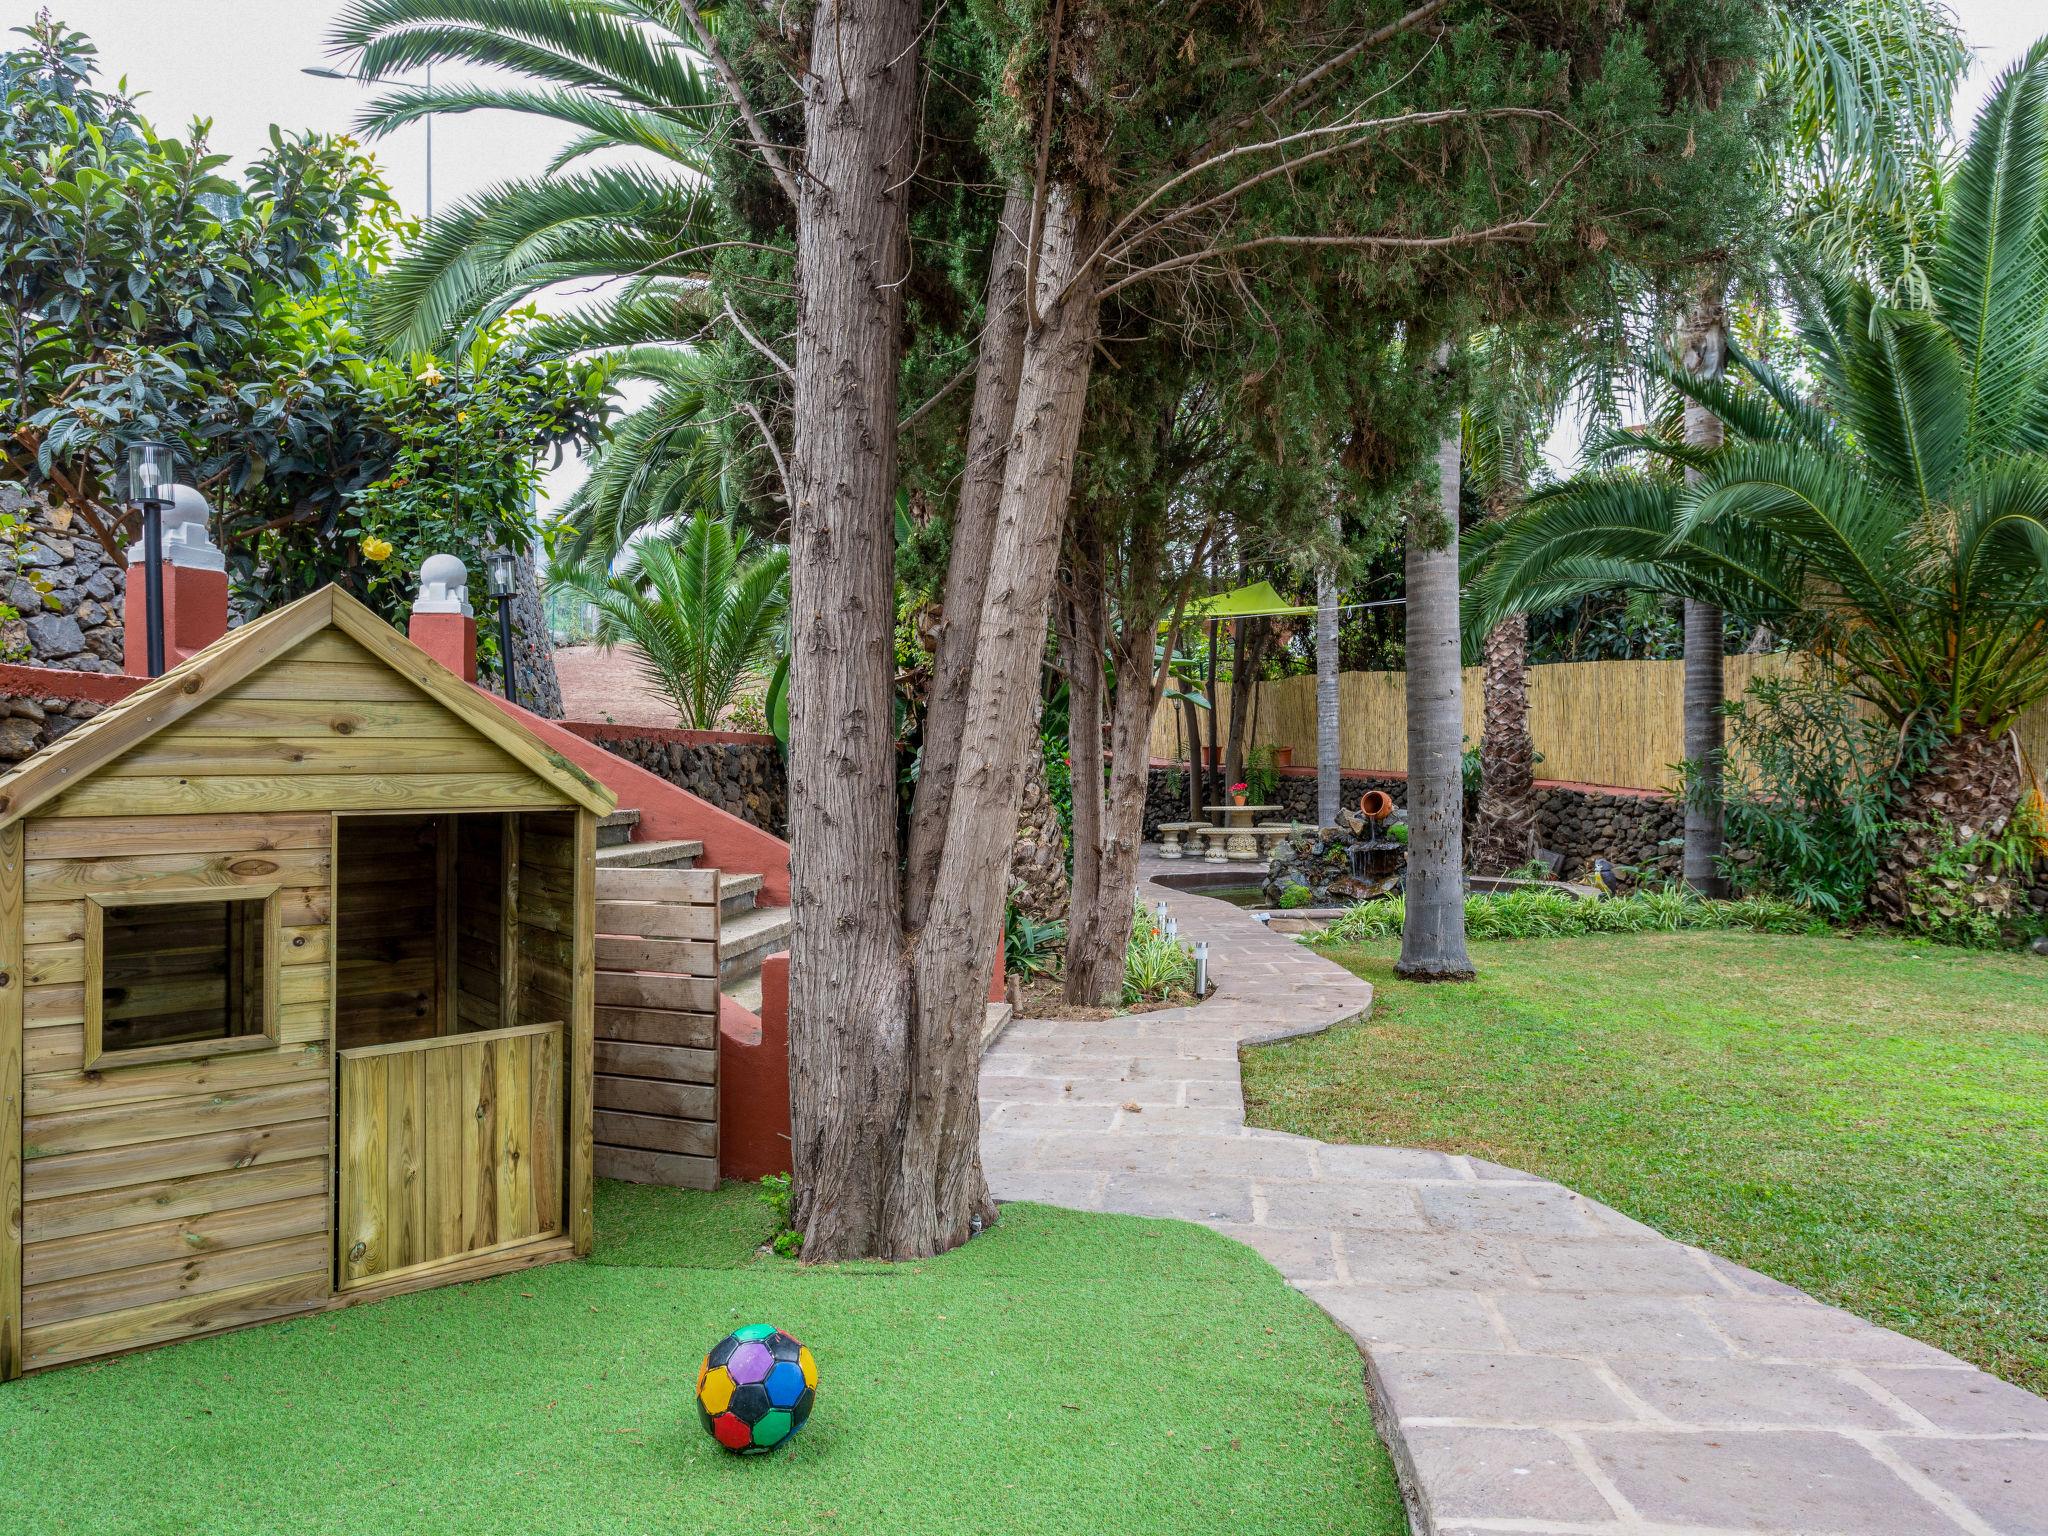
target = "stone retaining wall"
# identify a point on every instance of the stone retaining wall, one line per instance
(1629, 831)
(39, 704)
(737, 771)
(76, 625)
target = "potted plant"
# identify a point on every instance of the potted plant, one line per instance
(1237, 793)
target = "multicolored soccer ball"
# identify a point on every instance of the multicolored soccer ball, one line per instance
(755, 1388)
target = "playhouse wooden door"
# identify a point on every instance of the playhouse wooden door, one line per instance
(449, 1146)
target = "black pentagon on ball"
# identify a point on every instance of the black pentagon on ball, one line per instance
(782, 1347)
(750, 1403)
(802, 1410)
(703, 1417)
(722, 1352)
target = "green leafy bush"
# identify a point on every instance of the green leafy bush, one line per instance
(1059, 782)
(1556, 915)
(1296, 896)
(776, 1195)
(1156, 968)
(1815, 794)
(1030, 947)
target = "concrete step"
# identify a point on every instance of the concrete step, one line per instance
(738, 893)
(617, 828)
(661, 853)
(746, 992)
(748, 939)
(995, 1018)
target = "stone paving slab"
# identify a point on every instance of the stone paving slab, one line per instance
(1540, 1364)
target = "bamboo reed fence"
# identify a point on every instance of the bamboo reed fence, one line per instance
(1614, 723)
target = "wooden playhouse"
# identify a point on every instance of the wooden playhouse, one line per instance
(296, 994)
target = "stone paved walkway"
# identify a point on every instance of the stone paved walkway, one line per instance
(1539, 1363)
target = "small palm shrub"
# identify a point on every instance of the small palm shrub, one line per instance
(1558, 915)
(1156, 968)
(702, 611)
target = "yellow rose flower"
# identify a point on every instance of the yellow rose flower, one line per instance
(377, 549)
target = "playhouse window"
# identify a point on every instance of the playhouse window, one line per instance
(171, 976)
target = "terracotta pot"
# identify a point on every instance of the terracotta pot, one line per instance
(1283, 757)
(1237, 799)
(1375, 805)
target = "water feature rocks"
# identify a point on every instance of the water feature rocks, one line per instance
(1319, 860)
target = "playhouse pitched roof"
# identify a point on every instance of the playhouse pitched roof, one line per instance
(243, 652)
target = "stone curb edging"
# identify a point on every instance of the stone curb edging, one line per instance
(1538, 1363)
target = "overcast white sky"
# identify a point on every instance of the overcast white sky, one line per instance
(238, 62)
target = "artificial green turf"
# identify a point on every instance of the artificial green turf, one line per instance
(1061, 1373)
(1866, 1119)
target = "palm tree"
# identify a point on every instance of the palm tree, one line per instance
(703, 613)
(1864, 87)
(1433, 928)
(624, 75)
(1898, 531)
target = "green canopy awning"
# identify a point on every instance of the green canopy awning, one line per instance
(1257, 601)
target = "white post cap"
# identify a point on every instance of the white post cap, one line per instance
(444, 587)
(186, 541)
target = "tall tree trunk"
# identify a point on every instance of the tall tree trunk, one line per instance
(953, 952)
(1433, 931)
(1968, 790)
(1329, 738)
(974, 530)
(861, 1188)
(1506, 833)
(1703, 350)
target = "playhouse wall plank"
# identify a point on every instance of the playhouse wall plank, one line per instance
(176, 1240)
(160, 1200)
(75, 1173)
(390, 791)
(182, 1317)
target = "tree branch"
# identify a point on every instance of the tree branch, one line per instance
(1364, 129)
(770, 151)
(1038, 178)
(1337, 61)
(1513, 229)
(939, 394)
(774, 451)
(760, 346)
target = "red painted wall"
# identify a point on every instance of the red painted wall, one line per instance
(666, 811)
(62, 683)
(753, 1080)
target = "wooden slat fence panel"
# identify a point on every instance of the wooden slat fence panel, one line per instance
(656, 1087)
(1595, 722)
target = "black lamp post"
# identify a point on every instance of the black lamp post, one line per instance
(149, 478)
(503, 568)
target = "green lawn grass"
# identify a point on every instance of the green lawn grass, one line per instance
(1865, 1119)
(1061, 1373)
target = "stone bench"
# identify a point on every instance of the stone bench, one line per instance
(1243, 845)
(1170, 833)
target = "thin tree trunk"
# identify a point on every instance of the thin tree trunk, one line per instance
(1083, 647)
(861, 1188)
(1095, 967)
(1703, 350)
(1433, 931)
(952, 953)
(1506, 834)
(1329, 737)
(974, 530)
(1191, 717)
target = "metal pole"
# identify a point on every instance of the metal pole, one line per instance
(153, 582)
(505, 648)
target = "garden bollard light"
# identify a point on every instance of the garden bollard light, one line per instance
(1202, 969)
